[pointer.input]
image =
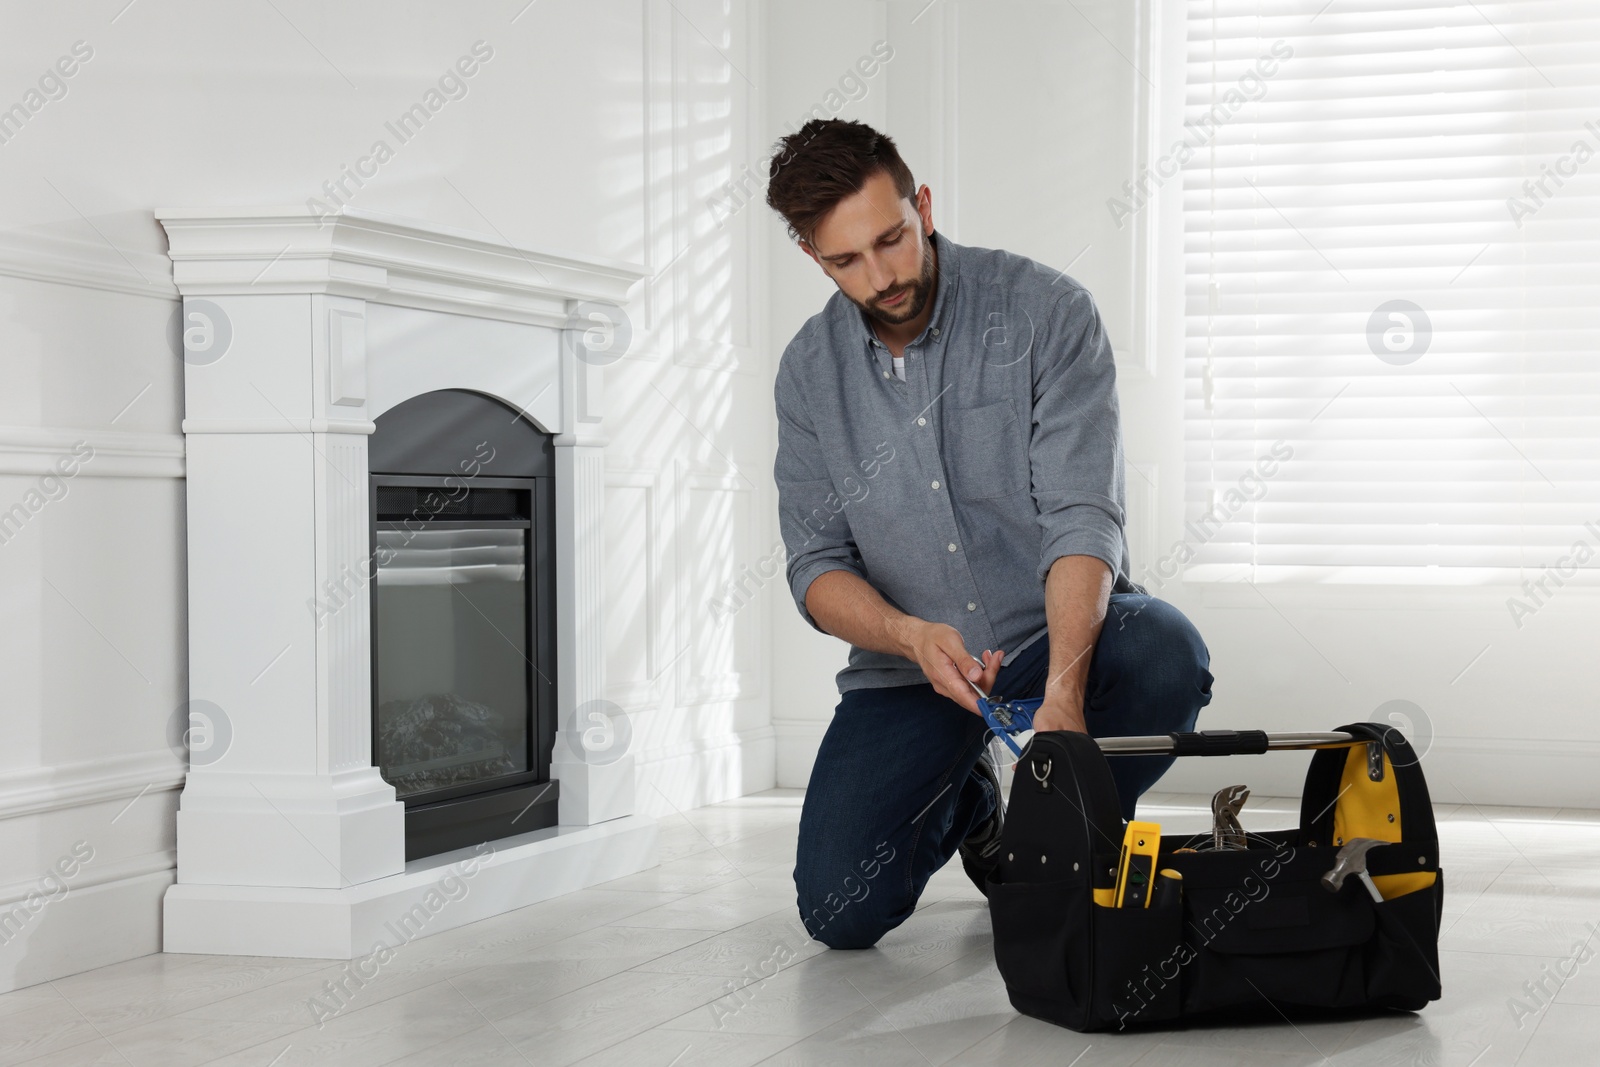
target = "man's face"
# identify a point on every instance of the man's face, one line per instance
(876, 247)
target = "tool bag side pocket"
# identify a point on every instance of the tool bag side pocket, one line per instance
(1378, 790)
(1281, 937)
(1062, 812)
(1041, 946)
(1403, 958)
(1139, 956)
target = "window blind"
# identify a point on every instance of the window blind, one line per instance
(1392, 290)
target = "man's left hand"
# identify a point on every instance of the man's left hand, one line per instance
(1059, 715)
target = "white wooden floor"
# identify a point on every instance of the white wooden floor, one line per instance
(702, 961)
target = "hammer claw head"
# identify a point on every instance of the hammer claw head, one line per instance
(1352, 859)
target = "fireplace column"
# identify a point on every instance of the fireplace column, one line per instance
(286, 794)
(597, 779)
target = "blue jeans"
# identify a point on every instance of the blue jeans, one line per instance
(893, 794)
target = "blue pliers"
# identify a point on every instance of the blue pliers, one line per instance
(1006, 717)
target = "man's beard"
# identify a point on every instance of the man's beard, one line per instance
(921, 291)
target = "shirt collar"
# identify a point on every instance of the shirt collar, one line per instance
(943, 297)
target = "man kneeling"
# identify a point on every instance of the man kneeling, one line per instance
(950, 478)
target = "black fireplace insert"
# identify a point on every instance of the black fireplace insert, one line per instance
(462, 501)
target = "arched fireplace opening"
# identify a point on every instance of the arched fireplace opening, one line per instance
(463, 580)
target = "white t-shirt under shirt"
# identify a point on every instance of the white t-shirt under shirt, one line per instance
(900, 367)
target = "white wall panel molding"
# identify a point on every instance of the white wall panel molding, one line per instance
(85, 264)
(37, 790)
(31, 450)
(724, 649)
(649, 603)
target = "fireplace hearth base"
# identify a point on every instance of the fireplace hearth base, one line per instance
(350, 923)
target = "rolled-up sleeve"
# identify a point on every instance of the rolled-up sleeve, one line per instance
(1075, 450)
(816, 534)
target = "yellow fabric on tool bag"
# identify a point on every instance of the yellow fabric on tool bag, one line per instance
(1372, 809)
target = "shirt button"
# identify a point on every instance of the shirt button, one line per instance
(885, 374)
(935, 331)
(951, 546)
(936, 483)
(971, 606)
(922, 422)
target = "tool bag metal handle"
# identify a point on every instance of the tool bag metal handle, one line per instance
(1221, 743)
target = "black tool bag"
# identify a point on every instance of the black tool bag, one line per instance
(1252, 931)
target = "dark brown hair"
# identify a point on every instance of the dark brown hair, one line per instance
(825, 161)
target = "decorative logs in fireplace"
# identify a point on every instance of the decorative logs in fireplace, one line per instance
(463, 618)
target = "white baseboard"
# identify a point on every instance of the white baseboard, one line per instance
(92, 925)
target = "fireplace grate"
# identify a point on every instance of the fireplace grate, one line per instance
(397, 503)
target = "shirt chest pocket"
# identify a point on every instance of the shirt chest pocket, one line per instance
(986, 450)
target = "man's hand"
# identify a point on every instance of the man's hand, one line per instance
(1060, 714)
(938, 649)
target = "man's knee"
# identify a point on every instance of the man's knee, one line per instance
(847, 906)
(845, 928)
(838, 917)
(1157, 650)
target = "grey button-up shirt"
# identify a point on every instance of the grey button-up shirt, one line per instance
(953, 491)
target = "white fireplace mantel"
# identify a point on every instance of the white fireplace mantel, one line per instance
(303, 329)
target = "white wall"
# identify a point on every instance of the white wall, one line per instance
(1025, 119)
(598, 128)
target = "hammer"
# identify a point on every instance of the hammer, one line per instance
(1352, 859)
